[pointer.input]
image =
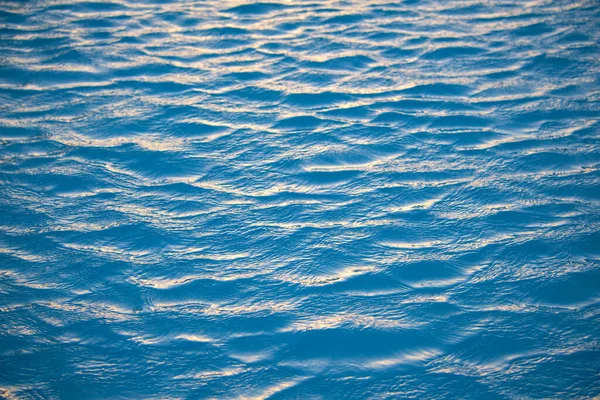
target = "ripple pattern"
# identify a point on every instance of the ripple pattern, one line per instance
(334, 199)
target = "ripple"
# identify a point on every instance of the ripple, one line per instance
(349, 199)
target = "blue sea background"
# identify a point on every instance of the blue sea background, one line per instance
(299, 200)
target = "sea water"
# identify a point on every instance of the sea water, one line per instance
(299, 200)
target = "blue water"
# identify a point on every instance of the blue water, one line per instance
(299, 200)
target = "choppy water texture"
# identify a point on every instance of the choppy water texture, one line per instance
(299, 200)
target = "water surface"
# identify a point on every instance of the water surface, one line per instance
(299, 200)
